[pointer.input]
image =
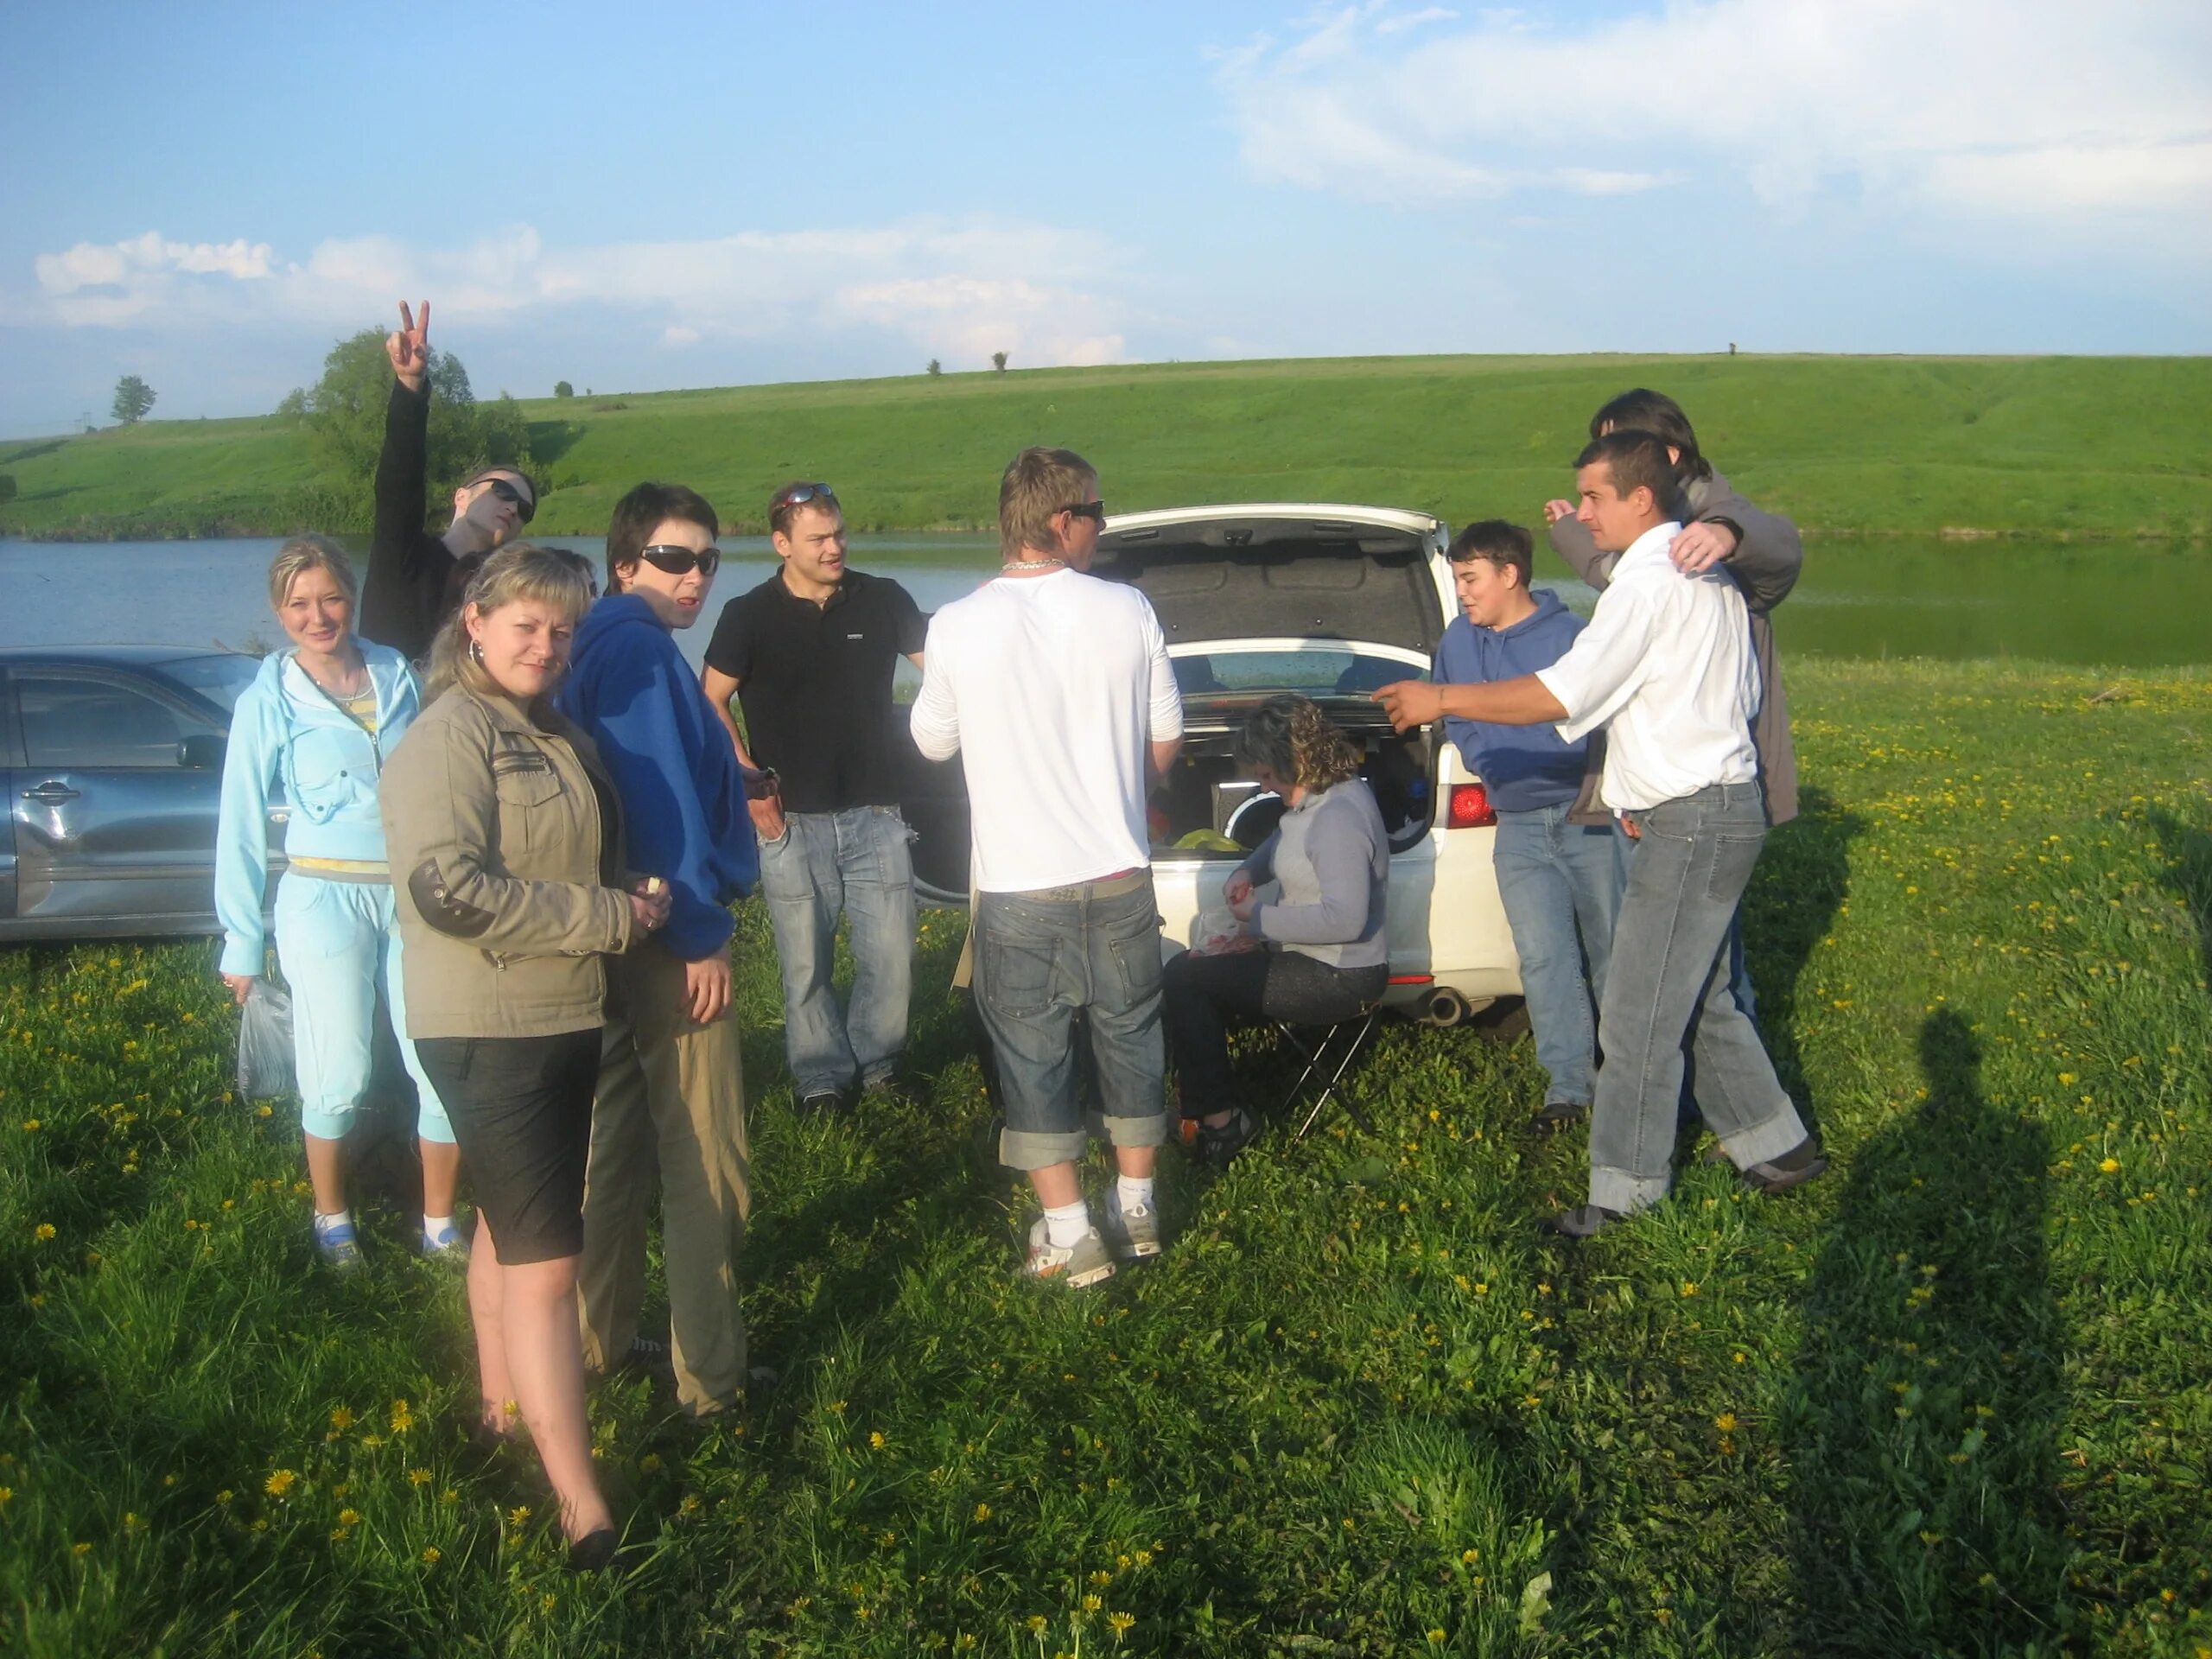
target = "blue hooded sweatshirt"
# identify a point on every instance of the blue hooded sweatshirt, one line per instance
(684, 804)
(1524, 767)
(289, 742)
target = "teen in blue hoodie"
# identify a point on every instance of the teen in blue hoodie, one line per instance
(669, 1089)
(1560, 882)
(316, 724)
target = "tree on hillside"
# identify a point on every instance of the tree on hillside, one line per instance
(562, 389)
(133, 397)
(998, 361)
(344, 412)
(936, 367)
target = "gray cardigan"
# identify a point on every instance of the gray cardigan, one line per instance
(1332, 857)
(1769, 555)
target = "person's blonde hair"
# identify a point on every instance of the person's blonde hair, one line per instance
(305, 553)
(1291, 737)
(1038, 484)
(518, 571)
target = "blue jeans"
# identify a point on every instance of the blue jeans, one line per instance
(1558, 881)
(854, 862)
(335, 941)
(1039, 957)
(1669, 974)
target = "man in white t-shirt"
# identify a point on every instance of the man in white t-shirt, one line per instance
(1055, 689)
(1666, 668)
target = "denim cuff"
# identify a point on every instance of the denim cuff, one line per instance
(1618, 1190)
(1150, 1130)
(1785, 1130)
(1028, 1149)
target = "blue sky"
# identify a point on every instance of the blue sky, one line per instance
(655, 195)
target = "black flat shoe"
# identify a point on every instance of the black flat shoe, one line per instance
(594, 1552)
(1218, 1146)
(1793, 1168)
(1558, 1115)
(1584, 1221)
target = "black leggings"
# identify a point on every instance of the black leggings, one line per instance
(521, 1111)
(1203, 998)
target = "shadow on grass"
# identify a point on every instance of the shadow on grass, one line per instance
(1801, 879)
(2191, 873)
(1921, 1425)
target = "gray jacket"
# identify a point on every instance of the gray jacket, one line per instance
(1768, 558)
(1332, 857)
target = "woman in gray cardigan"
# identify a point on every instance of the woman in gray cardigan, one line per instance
(1312, 956)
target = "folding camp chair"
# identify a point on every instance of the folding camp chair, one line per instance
(1331, 1049)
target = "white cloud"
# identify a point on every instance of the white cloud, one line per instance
(960, 289)
(2030, 112)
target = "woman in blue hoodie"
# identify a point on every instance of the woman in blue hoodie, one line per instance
(317, 723)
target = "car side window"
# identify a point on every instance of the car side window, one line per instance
(69, 721)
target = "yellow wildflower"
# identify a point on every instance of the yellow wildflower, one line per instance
(1121, 1623)
(1726, 1422)
(43, 1231)
(418, 1477)
(2110, 1165)
(432, 1555)
(280, 1484)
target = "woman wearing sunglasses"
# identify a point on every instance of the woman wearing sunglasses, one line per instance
(416, 579)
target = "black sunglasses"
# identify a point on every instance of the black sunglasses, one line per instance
(677, 560)
(525, 508)
(798, 495)
(1092, 509)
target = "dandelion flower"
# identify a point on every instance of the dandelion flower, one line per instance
(2110, 1165)
(43, 1231)
(1091, 1603)
(341, 1418)
(403, 1416)
(1121, 1623)
(1726, 1422)
(432, 1555)
(80, 1549)
(418, 1477)
(280, 1484)
(875, 1441)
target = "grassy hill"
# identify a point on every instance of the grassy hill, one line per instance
(2074, 447)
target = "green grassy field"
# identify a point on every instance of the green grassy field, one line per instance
(2076, 447)
(1956, 1398)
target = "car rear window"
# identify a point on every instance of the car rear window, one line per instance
(1314, 670)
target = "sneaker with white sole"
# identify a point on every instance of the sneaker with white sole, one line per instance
(449, 1244)
(340, 1248)
(1132, 1235)
(1086, 1261)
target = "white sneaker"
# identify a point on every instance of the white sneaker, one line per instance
(1084, 1263)
(1133, 1235)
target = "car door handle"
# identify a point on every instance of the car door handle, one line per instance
(50, 794)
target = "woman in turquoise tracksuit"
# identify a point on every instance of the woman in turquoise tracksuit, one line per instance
(318, 720)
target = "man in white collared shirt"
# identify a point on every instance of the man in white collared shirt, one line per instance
(1666, 668)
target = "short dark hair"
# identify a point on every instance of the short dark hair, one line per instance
(1635, 460)
(1641, 410)
(1498, 542)
(642, 511)
(781, 510)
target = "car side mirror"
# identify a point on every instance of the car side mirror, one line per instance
(203, 751)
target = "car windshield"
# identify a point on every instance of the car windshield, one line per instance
(1312, 670)
(219, 677)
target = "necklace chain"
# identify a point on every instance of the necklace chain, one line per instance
(1032, 564)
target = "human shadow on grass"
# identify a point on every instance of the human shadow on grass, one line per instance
(1922, 1426)
(2190, 874)
(1803, 877)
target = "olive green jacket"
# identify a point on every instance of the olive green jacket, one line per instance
(493, 832)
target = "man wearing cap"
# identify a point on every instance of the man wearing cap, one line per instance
(415, 580)
(809, 655)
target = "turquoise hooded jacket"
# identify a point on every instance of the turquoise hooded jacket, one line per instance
(290, 743)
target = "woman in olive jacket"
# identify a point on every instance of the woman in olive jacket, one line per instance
(504, 843)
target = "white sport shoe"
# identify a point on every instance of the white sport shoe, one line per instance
(1084, 1263)
(1132, 1235)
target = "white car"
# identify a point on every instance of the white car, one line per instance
(1332, 601)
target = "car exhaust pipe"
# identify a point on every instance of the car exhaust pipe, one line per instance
(1445, 1007)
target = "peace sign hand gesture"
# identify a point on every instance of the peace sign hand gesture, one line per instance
(410, 349)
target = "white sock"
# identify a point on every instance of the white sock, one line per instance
(433, 1226)
(1135, 1191)
(331, 1223)
(1067, 1225)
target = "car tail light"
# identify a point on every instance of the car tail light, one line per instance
(1469, 808)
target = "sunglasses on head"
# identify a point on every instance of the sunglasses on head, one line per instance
(798, 495)
(525, 508)
(679, 561)
(1095, 511)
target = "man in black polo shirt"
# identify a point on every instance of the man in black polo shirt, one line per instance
(810, 654)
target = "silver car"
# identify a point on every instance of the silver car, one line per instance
(114, 758)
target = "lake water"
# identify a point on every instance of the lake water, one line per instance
(2118, 603)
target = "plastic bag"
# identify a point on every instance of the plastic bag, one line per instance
(265, 1042)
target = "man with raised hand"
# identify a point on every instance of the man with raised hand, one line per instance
(809, 654)
(1055, 689)
(416, 579)
(671, 1091)
(1665, 667)
(1760, 552)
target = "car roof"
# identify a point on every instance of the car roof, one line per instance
(114, 655)
(1342, 512)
